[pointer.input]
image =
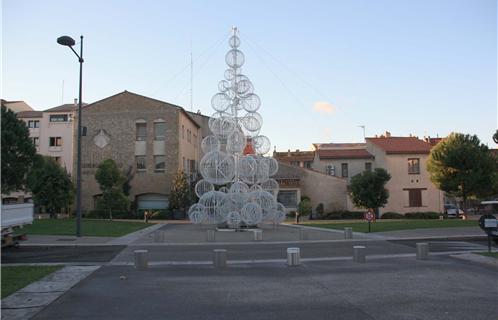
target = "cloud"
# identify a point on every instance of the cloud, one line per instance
(324, 107)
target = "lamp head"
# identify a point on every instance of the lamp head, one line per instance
(66, 41)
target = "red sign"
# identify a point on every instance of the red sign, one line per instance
(369, 216)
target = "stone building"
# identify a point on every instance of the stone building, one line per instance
(150, 139)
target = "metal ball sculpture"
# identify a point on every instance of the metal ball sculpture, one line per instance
(234, 161)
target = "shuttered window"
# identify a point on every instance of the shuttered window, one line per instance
(414, 197)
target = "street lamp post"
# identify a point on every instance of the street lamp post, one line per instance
(69, 42)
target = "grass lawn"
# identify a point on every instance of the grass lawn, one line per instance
(102, 228)
(393, 225)
(487, 254)
(15, 278)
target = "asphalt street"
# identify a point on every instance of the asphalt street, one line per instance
(402, 288)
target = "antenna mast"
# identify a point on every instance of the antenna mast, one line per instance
(191, 79)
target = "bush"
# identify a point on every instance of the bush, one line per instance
(319, 209)
(304, 207)
(392, 215)
(291, 214)
(422, 215)
(336, 215)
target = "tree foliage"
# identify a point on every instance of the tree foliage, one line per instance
(50, 185)
(368, 190)
(18, 152)
(181, 196)
(304, 207)
(111, 182)
(463, 167)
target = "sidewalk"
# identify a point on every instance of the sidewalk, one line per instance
(461, 232)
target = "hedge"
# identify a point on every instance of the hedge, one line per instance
(392, 215)
(336, 215)
(422, 215)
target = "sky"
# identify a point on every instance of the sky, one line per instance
(321, 68)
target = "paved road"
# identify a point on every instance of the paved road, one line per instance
(440, 288)
(38, 254)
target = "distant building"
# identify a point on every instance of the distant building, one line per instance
(303, 159)
(410, 188)
(16, 106)
(150, 139)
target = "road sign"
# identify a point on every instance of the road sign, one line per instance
(369, 216)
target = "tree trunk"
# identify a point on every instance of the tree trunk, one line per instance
(464, 196)
(110, 214)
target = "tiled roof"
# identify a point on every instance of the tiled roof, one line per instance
(30, 114)
(401, 145)
(339, 145)
(64, 108)
(294, 156)
(344, 154)
(433, 141)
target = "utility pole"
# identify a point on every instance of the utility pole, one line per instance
(363, 127)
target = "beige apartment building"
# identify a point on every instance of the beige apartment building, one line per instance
(151, 139)
(405, 158)
(52, 132)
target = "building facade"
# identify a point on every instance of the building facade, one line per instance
(149, 139)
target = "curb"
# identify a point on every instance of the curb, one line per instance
(477, 258)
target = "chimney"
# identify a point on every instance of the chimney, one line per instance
(297, 150)
(75, 102)
(288, 152)
(388, 134)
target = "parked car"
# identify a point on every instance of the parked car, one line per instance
(452, 211)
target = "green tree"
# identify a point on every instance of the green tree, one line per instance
(463, 167)
(50, 185)
(368, 189)
(18, 152)
(111, 182)
(304, 207)
(181, 196)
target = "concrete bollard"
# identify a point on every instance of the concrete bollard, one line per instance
(141, 259)
(159, 236)
(348, 233)
(211, 235)
(359, 254)
(422, 251)
(219, 258)
(441, 217)
(258, 235)
(303, 234)
(293, 257)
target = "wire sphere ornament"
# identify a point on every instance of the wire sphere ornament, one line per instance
(223, 85)
(252, 121)
(271, 186)
(221, 102)
(230, 74)
(202, 187)
(217, 167)
(210, 143)
(254, 187)
(197, 213)
(215, 203)
(262, 144)
(251, 102)
(244, 87)
(222, 126)
(233, 219)
(266, 202)
(272, 165)
(279, 213)
(234, 41)
(236, 142)
(238, 192)
(251, 214)
(234, 58)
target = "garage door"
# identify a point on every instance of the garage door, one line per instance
(152, 201)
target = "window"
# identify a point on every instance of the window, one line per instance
(58, 118)
(330, 170)
(141, 131)
(368, 166)
(36, 141)
(288, 198)
(294, 163)
(307, 164)
(55, 142)
(195, 141)
(159, 163)
(33, 124)
(159, 130)
(183, 131)
(189, 136)
(141, 163)
(344, 170)
(414, 166)
(414, 197)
